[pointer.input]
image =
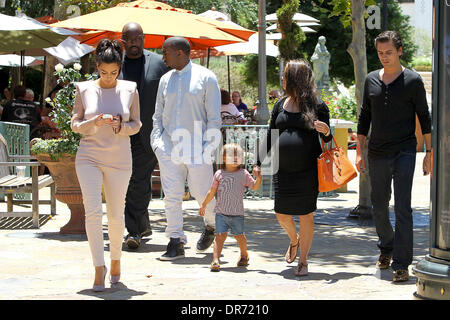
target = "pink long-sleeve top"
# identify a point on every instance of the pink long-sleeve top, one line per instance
(100, 144)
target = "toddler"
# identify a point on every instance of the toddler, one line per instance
(229, 185)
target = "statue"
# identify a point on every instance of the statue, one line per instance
(321, 63)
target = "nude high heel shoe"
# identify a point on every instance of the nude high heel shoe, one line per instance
(114, 279)
(100, 287)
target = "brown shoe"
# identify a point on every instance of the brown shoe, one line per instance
(291, 252)
(401, 276)
(243, 262)
(384, 261)
(302, 270)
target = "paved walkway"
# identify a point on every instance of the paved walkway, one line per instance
(43, 264)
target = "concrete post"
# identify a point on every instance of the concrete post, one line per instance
(262, 111)
(433, 272)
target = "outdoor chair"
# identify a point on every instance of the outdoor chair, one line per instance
(13, 183)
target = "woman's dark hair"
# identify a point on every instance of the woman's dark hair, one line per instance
(109, 51)
(225, 96)
(386, 36)
(300, 86)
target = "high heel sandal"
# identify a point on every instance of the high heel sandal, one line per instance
(101, 287)
(114, 279)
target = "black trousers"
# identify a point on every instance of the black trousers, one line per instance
(139, 189)
(398, 168)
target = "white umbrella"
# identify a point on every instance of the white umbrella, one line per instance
(13, 60)
(277, 36)
(249, 47)
(20, 33)
(69, 50)
(216, 15)
(300, 24)
(66, 52)
(298, 17)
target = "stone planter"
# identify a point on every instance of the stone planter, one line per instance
(68, 190)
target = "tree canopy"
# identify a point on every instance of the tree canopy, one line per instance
(339, 36)
(33, 9)
(242, 12)
(292, 34)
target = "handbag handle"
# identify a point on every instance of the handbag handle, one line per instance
(324, 144)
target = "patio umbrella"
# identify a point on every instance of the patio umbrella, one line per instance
(158, 22)
(300, 24)
(20, 33)
(237, 49)
(278, 36)
(213, 14)
(298, 17)
(69, 51)
(14, 60)
(66, 52)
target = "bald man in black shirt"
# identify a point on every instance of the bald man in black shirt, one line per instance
(393, 96)
(145, 68)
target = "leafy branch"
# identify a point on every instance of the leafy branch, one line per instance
(341, 9)
(61, 114)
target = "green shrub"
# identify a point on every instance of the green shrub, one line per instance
(62, 114)
(422, 63)
(342, 107)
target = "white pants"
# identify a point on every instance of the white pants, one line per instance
(173, 179)
(91, 177)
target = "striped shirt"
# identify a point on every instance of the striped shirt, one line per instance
(230, 191)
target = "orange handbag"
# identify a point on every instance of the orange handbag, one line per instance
(334, 168)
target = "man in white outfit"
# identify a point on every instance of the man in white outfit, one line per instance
(186, 131)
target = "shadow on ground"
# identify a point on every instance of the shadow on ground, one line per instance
(117, 291)
(332, 244)
(337, 240)
(22, 223)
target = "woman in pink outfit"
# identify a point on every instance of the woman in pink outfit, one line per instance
(106, 113)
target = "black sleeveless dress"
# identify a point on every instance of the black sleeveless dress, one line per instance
(295, 182)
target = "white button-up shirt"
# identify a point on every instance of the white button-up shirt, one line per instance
(187, 106)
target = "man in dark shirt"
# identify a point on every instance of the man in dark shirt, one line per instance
(145, 68)
(393, 96)
(23, 111)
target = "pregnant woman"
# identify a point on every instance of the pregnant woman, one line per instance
(106, 113)
(301, 118)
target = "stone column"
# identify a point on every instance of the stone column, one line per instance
(433, 272)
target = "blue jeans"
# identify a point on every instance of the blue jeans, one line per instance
(398, 167)
(233, 223)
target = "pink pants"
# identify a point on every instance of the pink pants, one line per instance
(91, 177)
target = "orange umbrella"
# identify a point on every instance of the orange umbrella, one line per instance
(151, 4)
(159, 21)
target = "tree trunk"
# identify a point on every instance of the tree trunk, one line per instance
(357, 50)
(51, 62)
